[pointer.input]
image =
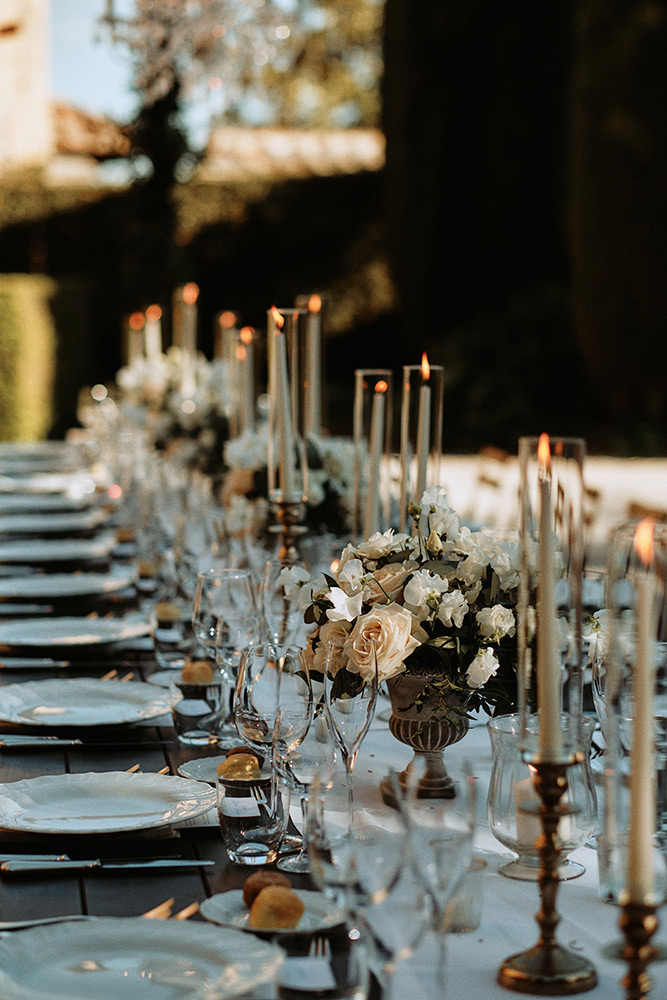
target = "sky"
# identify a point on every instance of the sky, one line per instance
(90, 74)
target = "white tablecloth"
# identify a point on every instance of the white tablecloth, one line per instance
(508, 917)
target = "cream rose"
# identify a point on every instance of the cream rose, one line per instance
(332, 640)
(387, 629)
(387, 582)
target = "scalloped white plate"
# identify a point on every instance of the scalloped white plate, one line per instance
(107, 958)
(80, 701)
(53, 522)
(68, 631)
(56, 549)
(65, 584)
(104, 802)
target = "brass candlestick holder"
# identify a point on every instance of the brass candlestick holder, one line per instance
(548, 969)
(288, 512)
(638, 923)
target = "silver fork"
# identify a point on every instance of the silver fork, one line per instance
(319, 948)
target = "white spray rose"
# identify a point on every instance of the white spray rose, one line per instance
(423, 592)
(496, 622)
(482, 667)
(453, 608)
(344, 608)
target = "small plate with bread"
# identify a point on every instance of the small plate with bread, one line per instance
(267, 904)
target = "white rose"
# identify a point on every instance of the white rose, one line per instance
(496, 622)
(344, 608)
(453, 608)
(385, 632)
(482, 667)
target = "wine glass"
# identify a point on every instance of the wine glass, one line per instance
(314, 757)
(440, 833)
(350, 700)
(358, 861)
(224, 621)
(280, 591)
(273, 698)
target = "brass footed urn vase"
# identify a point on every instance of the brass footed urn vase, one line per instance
(428, 717)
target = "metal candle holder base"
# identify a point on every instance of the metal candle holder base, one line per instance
(638, 923)
(548, 969)
(289, 514)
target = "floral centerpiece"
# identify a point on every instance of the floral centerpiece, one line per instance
(330, 477)
(439, 604)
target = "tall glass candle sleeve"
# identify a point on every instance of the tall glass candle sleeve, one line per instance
(551, 529)
(420, 432)
(133, 337)
(287, 454)
(225, 334)
(635, 703)
(153, 333)
(371, 431)
(312, 369)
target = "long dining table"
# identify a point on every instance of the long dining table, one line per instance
(587, 925)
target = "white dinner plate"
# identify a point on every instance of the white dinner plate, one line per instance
(51, 585)
(30, 503)
(80, 701)
(202, 768)
(52, 522)
(56, 549)
(67, 631)
(229, 910)
(24, 461)
(115, 958)
(74, 483)
(101, 802)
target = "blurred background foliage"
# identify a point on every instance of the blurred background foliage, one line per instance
(515, 232)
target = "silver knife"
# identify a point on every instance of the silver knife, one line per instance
(23, 741)
(44, 866)
(26, 662)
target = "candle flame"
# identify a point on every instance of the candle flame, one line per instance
(544, 451)
(153, 313)
(644, 540)
(335, 563)
(426, 368)
(381, 386)
(246, 334)
(240, 352)
(136, 321)
(227, 319)
(190, 293)
(278, 317)
(314, 304)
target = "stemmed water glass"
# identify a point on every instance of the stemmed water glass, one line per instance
(357, 860)
(440, 833)
(225, 621)
(350, 698)
(313, 759)
(273, 698)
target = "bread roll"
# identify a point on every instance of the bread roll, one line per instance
(240, 765)
(254, 884)
(276, 908)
